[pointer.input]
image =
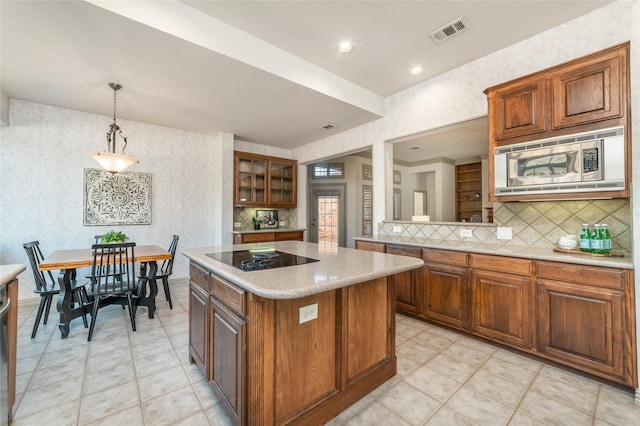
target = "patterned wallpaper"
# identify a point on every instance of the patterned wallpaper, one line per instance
(535, 224)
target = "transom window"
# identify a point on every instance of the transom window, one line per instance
(327, 170)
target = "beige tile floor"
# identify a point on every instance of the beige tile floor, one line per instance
(145, 378)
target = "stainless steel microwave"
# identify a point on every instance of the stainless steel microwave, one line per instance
(584, 162)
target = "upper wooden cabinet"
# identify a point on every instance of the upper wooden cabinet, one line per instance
(263, 181)
(584, 95)
(519, 109)
(570, 98)
(590, 91)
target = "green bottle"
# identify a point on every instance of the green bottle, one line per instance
(606, 239)
(585, 238)
(596, 242)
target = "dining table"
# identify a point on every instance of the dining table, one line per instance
(67, 261)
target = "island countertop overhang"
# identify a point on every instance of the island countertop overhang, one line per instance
(337, 267)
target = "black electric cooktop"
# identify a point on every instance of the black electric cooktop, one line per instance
(252, 260)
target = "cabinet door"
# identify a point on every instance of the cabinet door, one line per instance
(408, 284)
(446, 294)
(519, 110)
(199, 326)
(250, 181)
(501, 307)
(406, 291)
(581, 326)
(282, 184)
(227, 359)
(588, 92)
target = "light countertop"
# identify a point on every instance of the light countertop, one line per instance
(9, 272)
(266, 230)
(535, 253)
(337, 267)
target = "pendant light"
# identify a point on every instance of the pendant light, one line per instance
(110, 160)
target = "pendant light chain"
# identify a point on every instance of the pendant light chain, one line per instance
(114, 104)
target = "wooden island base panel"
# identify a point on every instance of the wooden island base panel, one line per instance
(301, 360)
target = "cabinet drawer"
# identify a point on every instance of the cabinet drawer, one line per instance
(502, 264)
(404, 251)
(457, 258)
(365, 245)
(228, 294)
(259, 237)
(289, 236)
(199, 276)
(581, 274)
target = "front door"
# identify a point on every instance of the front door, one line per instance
(327, 220)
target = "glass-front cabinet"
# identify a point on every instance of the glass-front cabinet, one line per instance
(251, 182)
(263, 181)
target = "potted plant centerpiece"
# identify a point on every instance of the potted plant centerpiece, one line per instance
(114, 237)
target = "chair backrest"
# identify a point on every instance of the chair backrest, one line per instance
(113, 268)
(167, 265)
(35, 257)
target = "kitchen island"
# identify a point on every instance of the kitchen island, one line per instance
(295, 344)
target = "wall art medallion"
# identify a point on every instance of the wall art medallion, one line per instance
(116, 198)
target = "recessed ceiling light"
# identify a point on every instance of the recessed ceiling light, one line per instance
(417, 70)
(344, 47)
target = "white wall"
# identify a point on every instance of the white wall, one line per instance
(43, 155)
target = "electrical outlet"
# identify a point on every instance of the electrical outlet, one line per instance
(464, 233)
(397, 229)
(308, 313)
(282, 223)
(504, 233)
(237, 224)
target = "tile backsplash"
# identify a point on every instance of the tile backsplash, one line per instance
(536, 224)
(245, 216)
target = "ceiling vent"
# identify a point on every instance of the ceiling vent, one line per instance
(327, 127)
(449, 30)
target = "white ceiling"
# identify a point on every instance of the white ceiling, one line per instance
(267, 71)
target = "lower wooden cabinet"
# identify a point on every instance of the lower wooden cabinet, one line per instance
(501, 307)
(446, 294)
(502, 299)
(268, 367)
(586, 319)
(577, 315)
(408, 284)
(581, 326)
(445, 289)
(227, 358)
(199, 326)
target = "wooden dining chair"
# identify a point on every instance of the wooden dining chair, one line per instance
(112, 279)
(166, 269)
(98, 239)
(47, 286)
